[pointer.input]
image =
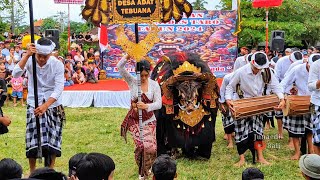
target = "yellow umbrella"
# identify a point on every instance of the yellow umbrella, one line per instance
(27, 39)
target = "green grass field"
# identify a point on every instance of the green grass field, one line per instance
(98, 130)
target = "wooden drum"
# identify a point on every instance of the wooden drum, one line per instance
(297, 105)
(254, 106)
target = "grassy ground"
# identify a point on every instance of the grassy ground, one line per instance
(98, 130)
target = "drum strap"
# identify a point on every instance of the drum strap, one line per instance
(266, 76)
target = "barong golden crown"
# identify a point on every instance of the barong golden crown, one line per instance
(140, 50)
(186, 66)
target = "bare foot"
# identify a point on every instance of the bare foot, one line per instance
(240, 163)
(263, 161)
(230, 145)
(23, 105)
(290, 145)
(280, 136)
(14, 105)
(296, 156)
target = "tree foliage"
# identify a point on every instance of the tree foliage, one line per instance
(298, 18)
(49, 23)
(199, 4)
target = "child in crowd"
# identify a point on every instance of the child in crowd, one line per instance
(164, 167)
(17, 90)
(96, 71)
(90, 74)
(78, 76)
(67, 79)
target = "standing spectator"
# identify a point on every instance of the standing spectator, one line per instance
(17, 90)
(78, 57)
(12, 60)
(6, 49)
(164, 168)
(18, 52)
(90, 74)
(78, 76)
(91, 50)
(244, 51)
(73, 51)
(4, 73)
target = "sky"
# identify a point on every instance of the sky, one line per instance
(47, 8)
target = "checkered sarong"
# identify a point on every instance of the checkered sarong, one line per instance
(297, 125)
(316, 124)
(51, 132)
(278, 114)
(227, 120)
(246, 126)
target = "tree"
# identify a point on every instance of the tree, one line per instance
(13, 11)
(199, 4)
(49, 23)
(299, 20)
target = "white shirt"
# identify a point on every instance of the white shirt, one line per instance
(50, 80)
(11, 66)
(298, 75)
(154, 91)
(282, 66)
(240, 61)
(314, 76)
(225, 82)
(251, 85)
(293, 65)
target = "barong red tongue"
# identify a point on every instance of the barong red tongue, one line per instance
(45, 49)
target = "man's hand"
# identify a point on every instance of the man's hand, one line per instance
(142, 105)
(5, 120)
(31, 49)
(230, 105)
(39, 111)
(281, 105)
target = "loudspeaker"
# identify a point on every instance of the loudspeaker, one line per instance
(53, 35)
(277, 41)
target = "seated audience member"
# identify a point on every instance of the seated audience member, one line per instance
(164, 168)
(90, 74)
(310, 166)
(95, 166)
(67, 79)
(252, 174)
(73, 164)
(78, 77)
(47, 174)
(9, 169)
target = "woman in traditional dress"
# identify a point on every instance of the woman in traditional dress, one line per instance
(151, 100)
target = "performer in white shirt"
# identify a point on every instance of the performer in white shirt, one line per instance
(282, 66)
(314, 87)
(227, 120)
(249, 130)
(301, 125)
(50, 75)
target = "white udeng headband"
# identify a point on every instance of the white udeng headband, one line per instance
(293, 58)
(254, 63)
(45, 50)
(311, 56)
(247, 57)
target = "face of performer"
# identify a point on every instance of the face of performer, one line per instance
(254, 69)
(144, 76)
(42, 59)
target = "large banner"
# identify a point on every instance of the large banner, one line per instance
(208, 33)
